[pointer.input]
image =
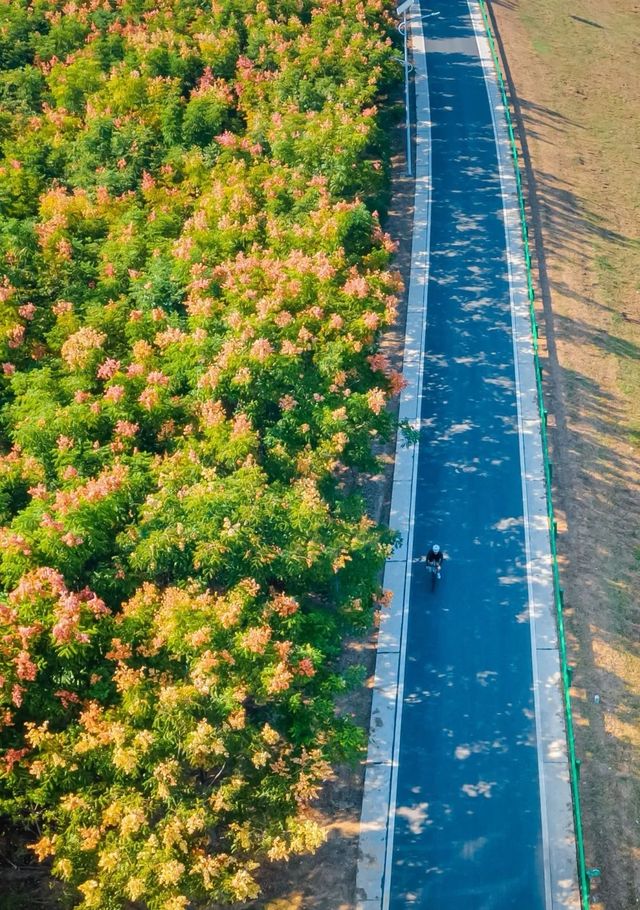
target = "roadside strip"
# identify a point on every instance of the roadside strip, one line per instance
(377, 822)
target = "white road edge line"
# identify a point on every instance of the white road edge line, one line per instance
(560, 890)
(527, 536)
(378, 817)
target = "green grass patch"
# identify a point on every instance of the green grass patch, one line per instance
(541, 46)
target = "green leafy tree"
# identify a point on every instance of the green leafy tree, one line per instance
(194, 283)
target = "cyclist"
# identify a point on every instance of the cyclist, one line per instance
(435, 557)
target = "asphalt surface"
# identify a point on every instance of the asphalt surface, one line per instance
(467, 815)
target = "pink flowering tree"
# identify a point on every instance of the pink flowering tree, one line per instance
(194, 283)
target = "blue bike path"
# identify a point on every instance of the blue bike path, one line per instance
(467, 819)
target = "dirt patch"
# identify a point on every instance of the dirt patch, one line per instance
(574, 76)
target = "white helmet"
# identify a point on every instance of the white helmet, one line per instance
(435, 548)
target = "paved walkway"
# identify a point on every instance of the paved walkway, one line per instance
(467, 735)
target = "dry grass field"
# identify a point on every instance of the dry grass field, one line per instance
(574, 71)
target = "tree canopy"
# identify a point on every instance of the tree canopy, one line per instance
(193, 283)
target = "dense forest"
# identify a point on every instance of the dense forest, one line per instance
(193, 282)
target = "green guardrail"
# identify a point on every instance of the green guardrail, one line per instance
(585, 875)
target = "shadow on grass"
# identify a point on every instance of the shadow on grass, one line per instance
(586, 21)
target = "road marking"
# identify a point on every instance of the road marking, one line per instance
(381, 781)
(512, 255)
(424, 185)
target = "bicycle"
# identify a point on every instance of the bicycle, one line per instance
(435, 569)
